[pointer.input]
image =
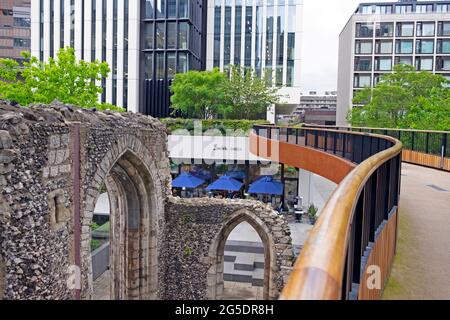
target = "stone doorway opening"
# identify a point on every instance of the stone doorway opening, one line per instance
(243, 270)
(222, 284)
(129, 257)
(100, 247)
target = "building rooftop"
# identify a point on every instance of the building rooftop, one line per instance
(404, 6)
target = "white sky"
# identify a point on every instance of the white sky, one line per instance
(323, 20)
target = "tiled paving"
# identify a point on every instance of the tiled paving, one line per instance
(241, 291)
(102, 287)
(232, 290)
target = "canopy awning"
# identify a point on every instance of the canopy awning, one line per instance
(225, 183)
(266, 185)
(187, 180)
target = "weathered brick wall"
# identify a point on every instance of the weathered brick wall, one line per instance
(195, 230)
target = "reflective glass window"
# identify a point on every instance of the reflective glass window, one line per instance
(183, 65)
(183, 35)
(171, 64)
(148, 32)
(160, 68)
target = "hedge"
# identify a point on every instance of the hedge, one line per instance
(173, 124)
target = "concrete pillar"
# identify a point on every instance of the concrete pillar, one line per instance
(271, 114)
(35, 28)
(304, 189)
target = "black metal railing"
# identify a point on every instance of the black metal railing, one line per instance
(436, 143)
(353, 147)
(359, 209)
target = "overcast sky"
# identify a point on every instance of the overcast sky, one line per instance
(323, 20)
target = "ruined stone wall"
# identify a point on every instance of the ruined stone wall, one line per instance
(195, 229)
(175, 245)
(36, 180)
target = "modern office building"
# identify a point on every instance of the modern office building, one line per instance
(14, 28)
(145, 42)
(264, 35)
(380, 35)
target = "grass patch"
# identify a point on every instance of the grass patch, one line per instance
(95, 244)
(103, 228)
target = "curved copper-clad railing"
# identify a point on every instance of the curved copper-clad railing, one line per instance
(350, 250)
(422, 147)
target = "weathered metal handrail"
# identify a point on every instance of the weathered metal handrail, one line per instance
(361, 212)
(425, 147)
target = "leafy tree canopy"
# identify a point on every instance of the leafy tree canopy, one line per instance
(213, 94)
(199, 94)
(248, 95)
(404, 99)
(64, 78)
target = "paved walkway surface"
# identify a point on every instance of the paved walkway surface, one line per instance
(232, 290)
(241, 291)
(422, 265)
(102, 287)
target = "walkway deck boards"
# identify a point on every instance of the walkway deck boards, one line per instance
(422, 265)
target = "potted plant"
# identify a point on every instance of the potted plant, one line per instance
(312, 213)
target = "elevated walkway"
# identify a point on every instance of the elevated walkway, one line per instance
(421, 266)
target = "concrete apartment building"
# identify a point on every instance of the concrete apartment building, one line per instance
(380, 35)
(314, 108)
(146, 42)
(14, 28)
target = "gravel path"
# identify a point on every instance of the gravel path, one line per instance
(422, 265)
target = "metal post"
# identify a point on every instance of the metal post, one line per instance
(443, 149)
(344, 142)
(316, 139)
(334, 142)
(284, 187)
(76, 176)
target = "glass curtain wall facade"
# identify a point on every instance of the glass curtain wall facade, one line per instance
(256, 34)
(96, 29)
(172, 41)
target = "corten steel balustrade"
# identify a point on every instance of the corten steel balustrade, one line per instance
(349, 252)
(425, 148)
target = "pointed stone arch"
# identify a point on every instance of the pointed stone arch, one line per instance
(216, 255)
(137, 191)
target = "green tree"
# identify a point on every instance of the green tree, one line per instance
(404, 99)
(64, 78)
(248, 95)
(199, 94)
